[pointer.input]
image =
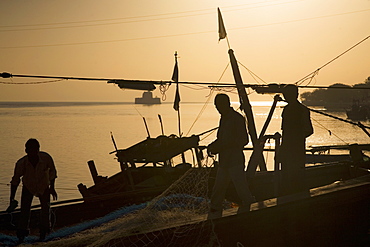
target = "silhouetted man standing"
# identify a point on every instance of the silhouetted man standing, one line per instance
(232, 136)
(296, 127)
(38, 174)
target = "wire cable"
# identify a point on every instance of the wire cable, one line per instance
(253, 74)
(134, 18)
(313, 74)
(207, 101)
(173, 35)
(329, 131)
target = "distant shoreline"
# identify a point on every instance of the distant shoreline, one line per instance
(23, 104)
(20, 104)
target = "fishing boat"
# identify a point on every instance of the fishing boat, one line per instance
(334, 215)
(359, 111)
(147, 99)
(335, 212)
(149, 182)
(147, 170)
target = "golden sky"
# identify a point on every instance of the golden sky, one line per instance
(279, 40)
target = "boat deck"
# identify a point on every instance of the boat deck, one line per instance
(334, 215)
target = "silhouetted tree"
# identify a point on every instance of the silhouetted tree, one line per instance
(367, 81)
(334, 97)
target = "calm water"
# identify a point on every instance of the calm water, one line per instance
(74, 133)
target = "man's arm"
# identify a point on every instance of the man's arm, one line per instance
(52, 189)
(16, 179)
(13, 190)
(307, 124)
(52, 177)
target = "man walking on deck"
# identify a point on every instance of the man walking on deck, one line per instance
(38, 174)
(296, 127)
(232, 136)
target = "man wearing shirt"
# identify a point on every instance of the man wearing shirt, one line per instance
(232, 136)
(296, 127)
(38, 174)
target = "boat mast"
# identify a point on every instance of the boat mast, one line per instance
(176, 103)
(160, 121)
(257, 156)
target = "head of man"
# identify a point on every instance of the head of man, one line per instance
(222, 103)
(290, 93)
(32, 147)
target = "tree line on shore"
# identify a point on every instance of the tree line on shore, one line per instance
(338, 95)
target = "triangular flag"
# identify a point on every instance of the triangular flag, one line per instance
(176, 103)
(175, 75)
(175, 78)
(221, 27)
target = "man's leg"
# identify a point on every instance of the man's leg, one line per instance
(23, 223)
(293, 182)
(218, 193)
(239, 180)
(45, 214)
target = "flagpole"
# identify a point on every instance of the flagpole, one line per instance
(176, 103)
(228, 43)
(179, 121)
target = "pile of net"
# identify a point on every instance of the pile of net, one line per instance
(175, 218)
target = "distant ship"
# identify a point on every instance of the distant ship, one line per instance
(148, 99)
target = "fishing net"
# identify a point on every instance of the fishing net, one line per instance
(175, 218)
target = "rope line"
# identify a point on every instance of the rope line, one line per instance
(359, 124)
(31, 83)
(340, 119)
(311, 78)
(58, 188)
(313, 74)
(207, 101)
(163, 88)
(252, 74)
(330, 132)
(194, 88)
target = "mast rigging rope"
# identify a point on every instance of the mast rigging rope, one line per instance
(314, 73)
(359, 124)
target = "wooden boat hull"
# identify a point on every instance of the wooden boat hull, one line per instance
(262, 186)
(334, 217)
